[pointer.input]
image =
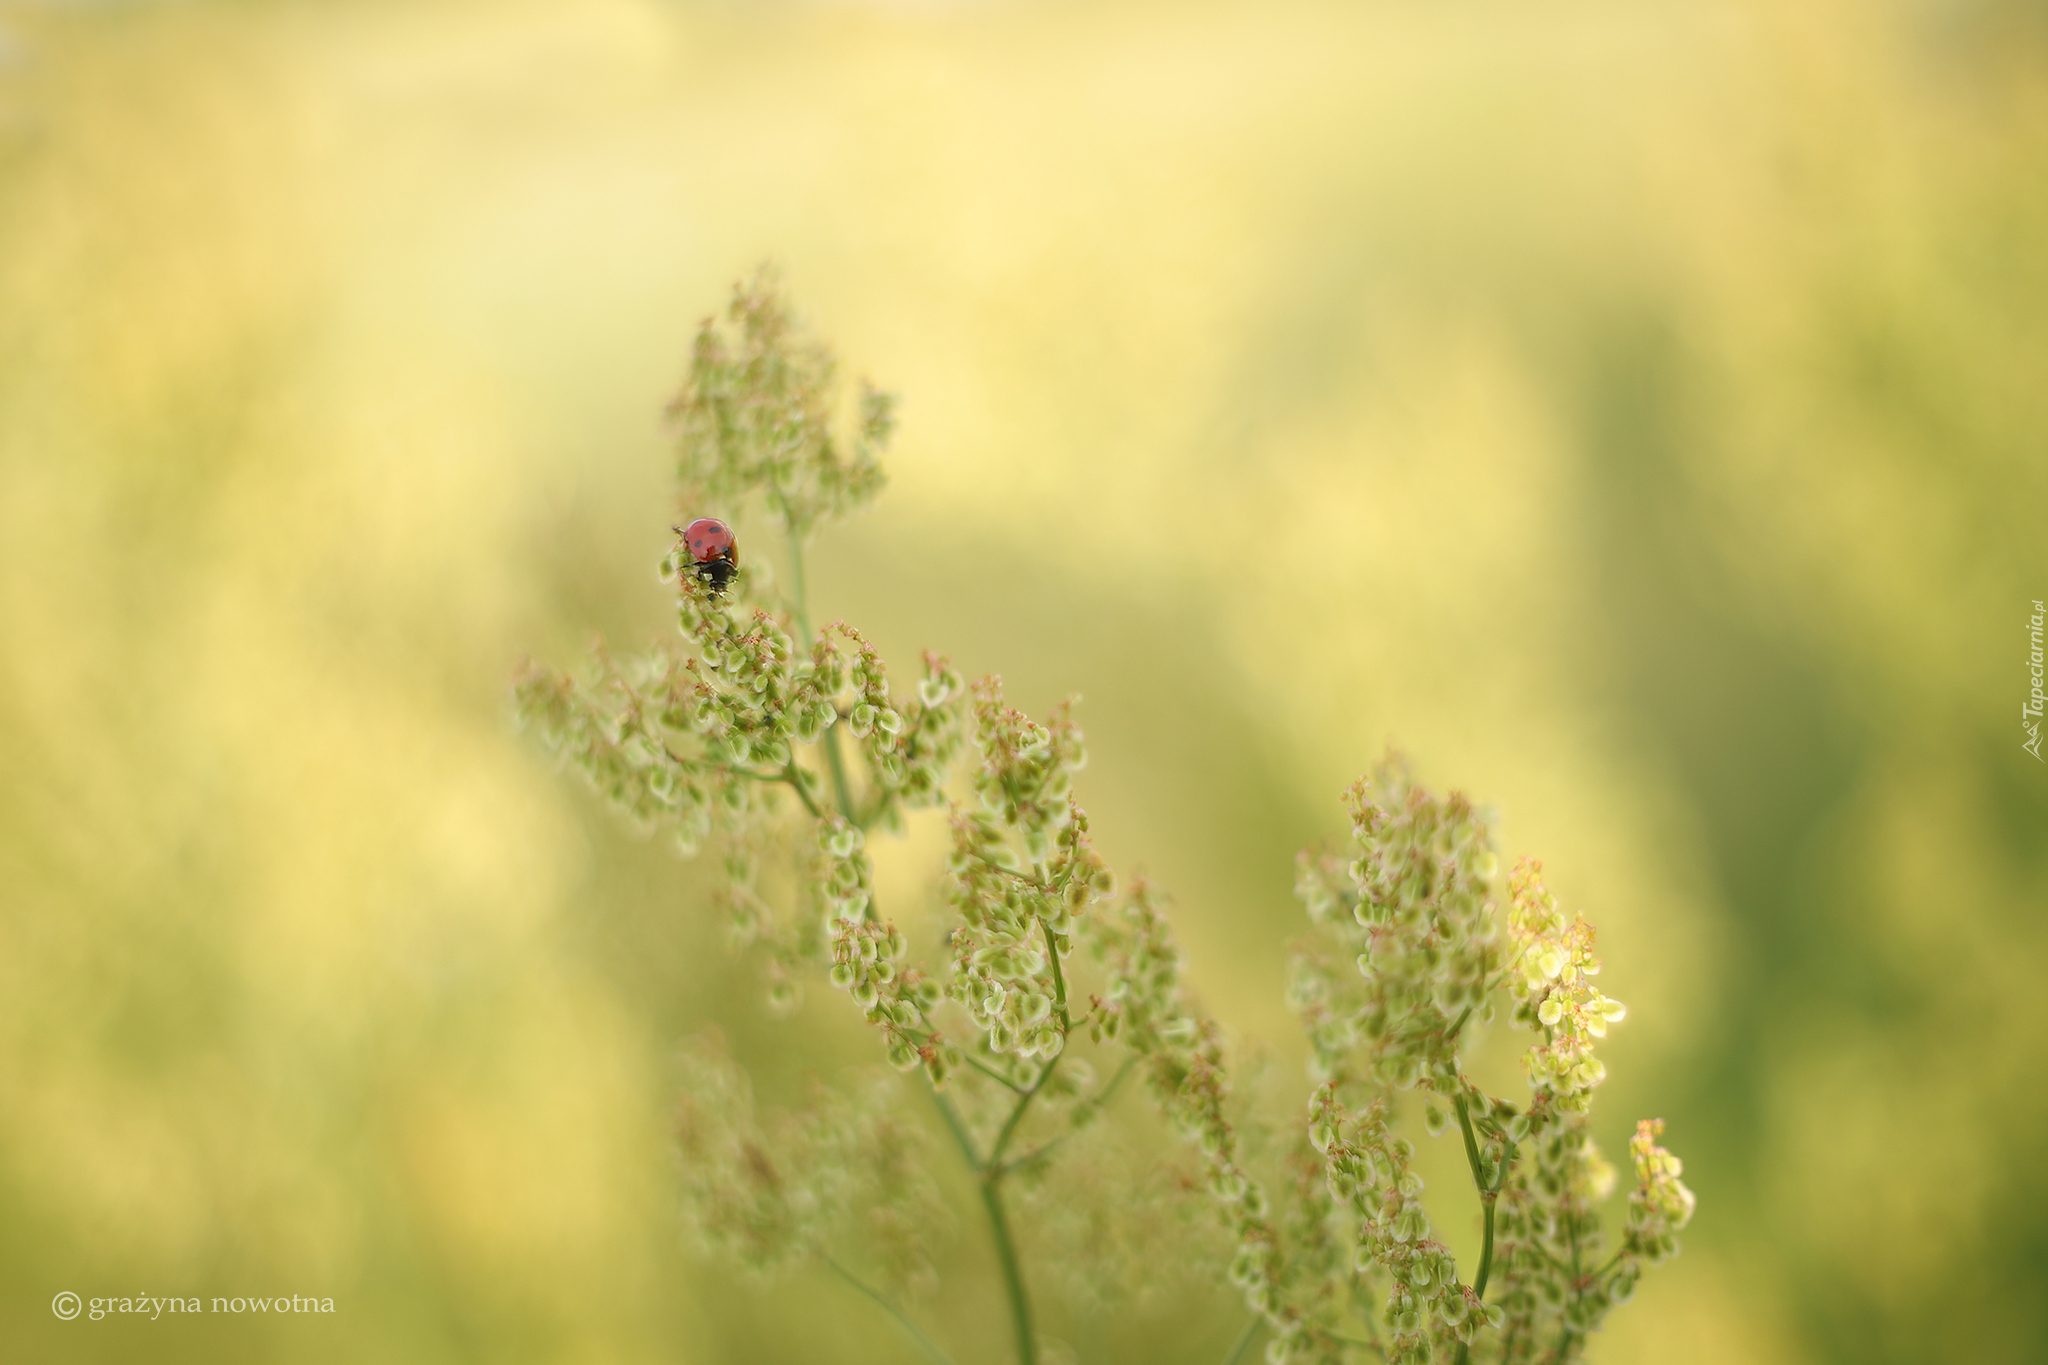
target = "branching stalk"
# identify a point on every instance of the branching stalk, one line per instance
(1013, 1274)
(1244, 1341)
(1489, 1198)
(1059, 980)
(961, 1139)
(925, 1343)
(1017, 1114)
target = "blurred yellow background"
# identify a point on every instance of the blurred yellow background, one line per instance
(1636, 411)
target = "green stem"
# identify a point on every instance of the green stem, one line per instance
(1244, 1341)
(1612, 1261)
(1564, 1336)
(917, 1334)
(1108, 1092)
(1471, 1143)
(985, 1069)
(841, 789)
(1059, 980)
(989, 1171)
(1017, 1162)
(991, 1175)
(1571, 1226)
(1102, 1098)
(1006, 1250)
(1489, 1197)
(958, 1130)
(1010, 872)
(801, 609)
(881, 808)
(1013, 1274)
(1367, 1315)
(1458, 1024)
(995, 1153)
(796, 785)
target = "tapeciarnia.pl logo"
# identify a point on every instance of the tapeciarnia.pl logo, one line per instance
(2030, 711)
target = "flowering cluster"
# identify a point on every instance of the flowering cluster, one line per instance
(765, 1191)
(1369, 1172)
(1414, 906)
(868, 964)
(1549, 1236)
(1660, 1204)
(1552, 988)
(711, 736)
(1020, 872)
(1183, 1055)
(756, 416)
(907, 743)
(1412, 911)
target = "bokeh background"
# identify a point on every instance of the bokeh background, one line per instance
(1634, 410)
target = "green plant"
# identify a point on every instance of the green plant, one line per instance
(1049, 987)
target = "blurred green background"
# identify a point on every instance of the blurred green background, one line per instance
(1635, 410)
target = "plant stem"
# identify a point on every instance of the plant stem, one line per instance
(995, 1153)
(917, 1334)
(1244, 1341)
(1564, 1337)
(800, 608)
(1006, 1250)
(789, 775)
(1107, 1093)
(989, 1171)
(991, 1176)
(958, 1130)
(1489, 1196)
(998, 1077)
(1013, 1274)
(1059, 979)
(1471, 1144)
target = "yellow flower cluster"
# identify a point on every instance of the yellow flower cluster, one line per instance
(1551, 983)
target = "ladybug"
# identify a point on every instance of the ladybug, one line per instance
(714, 551)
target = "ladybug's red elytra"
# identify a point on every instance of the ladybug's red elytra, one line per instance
(714, 550)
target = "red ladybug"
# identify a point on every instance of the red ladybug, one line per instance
(714, 550)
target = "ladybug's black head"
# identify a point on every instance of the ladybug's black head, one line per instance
(716, 572)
